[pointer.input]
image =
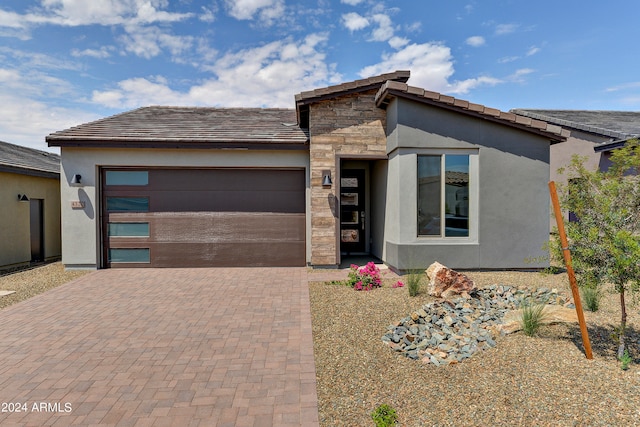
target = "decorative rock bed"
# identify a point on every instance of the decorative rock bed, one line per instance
(450, 331)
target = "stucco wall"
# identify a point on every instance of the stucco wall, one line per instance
(80, 227)
(509, 201)
(349, 126)
(580, 143)
(15, 245)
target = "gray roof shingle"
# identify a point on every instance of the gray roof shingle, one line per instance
(159, 126)
(613, 124)
(392, 88)
(28, 161)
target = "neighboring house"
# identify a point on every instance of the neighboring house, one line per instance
(605, 149)
(592, 134)
(372, 166)
(30, 208)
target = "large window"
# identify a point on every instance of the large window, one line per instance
(443, 192)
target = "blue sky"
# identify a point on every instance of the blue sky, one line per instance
(66, 62)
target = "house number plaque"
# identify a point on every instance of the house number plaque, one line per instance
(77, 204)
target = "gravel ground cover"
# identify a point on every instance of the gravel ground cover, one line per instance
(33, 281)
(542, 381)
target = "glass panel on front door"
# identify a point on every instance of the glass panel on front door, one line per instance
(352, 211)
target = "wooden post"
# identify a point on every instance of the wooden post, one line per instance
(572, 277)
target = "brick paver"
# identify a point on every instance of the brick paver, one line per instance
(162, 347)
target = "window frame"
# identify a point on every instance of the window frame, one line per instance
(473, 195)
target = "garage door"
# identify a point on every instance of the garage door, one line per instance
(203, 217)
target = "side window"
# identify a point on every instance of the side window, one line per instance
(443, 195)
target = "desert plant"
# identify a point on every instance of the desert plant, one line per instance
(591, 297)
(532, 318)
(605, 237)
(364, 278)
(413, 282)
(625, 360)
(384, 416)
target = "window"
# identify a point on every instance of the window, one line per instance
(128, 229)
(127, 178)
(127, 204)
(129, 255)
(443, 192)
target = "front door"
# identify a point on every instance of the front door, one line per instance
(352, 211)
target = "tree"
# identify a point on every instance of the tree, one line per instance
(605, 237)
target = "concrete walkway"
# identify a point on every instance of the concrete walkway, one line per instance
(162, 347)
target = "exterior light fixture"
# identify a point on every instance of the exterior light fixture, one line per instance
(23, 198)
(76, 179)
(326, 178)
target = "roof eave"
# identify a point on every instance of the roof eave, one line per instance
(391, 90)
(29, 171)
(85, 142)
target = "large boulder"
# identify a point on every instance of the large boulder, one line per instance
(445, 282)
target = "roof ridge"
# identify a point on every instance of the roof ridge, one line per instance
(350, 87)
(400, 88)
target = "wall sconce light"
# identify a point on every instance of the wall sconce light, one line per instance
(23, 198)
(76, 179)
(326, 178)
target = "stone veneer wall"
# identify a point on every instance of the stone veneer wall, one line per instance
(349, 125)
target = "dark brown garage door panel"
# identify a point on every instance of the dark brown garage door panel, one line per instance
(217, 217)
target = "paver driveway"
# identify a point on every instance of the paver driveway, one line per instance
(175, 347)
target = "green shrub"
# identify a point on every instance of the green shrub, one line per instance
(413, 282)
(384, 416)
(591, 296)
(625, 360)
(532, 317)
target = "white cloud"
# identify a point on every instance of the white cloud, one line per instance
(464, 86)
(148, 42)
(398, 42)
(475, 41)
(533, 50)
(267, 10)
(351, 2)
(208, 14)
(507, 59)
(624, 86)
(518, 75)
(104, 12)
(102, 53)
(11, 20)
(268, 75)
(431, 66)
(354, 21)
(502, 29)
(385, 28)
(43, 119)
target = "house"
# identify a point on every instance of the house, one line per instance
(592, 134)
(373, 166)
(30, 208)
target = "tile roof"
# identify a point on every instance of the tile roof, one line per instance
(350, 87)
(159, 126)
(392, 89)
(28, 161)
(614, 124)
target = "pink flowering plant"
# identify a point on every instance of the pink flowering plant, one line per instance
(364, 278)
